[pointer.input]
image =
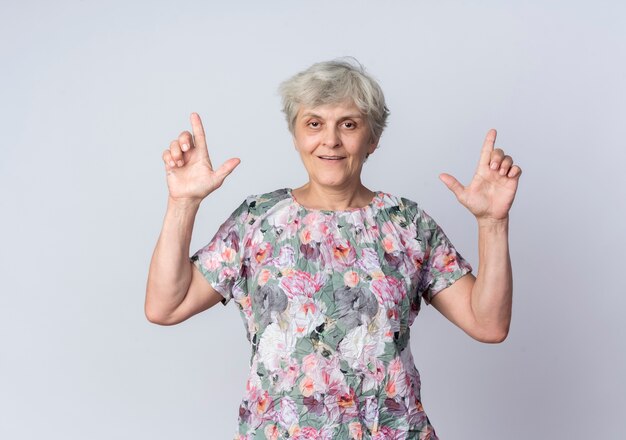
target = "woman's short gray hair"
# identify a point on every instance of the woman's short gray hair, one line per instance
(332, 82)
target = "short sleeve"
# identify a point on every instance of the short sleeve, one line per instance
(220, 261)
(442, 264)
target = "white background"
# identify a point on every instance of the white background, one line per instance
(93, 92)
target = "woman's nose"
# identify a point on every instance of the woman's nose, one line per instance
(331, 137)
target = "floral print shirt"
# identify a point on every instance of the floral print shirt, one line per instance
(327, 299)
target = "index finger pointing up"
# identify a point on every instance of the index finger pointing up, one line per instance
(490, 140)
(199, 139)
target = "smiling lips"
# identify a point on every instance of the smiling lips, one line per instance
(331, 157)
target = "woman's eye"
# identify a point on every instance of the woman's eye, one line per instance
(314, 124)
(349, 124)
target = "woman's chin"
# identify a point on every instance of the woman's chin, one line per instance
(332, 180)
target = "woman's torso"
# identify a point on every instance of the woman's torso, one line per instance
(328, 298)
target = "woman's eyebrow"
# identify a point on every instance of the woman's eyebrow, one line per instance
(353, 116)
(313, 115)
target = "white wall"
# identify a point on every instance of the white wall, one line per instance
(92, 93)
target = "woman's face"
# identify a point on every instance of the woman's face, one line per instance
(333, 141)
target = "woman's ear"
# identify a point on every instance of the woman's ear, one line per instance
(373, 146)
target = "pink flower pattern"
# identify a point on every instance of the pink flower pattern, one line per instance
(327, 299)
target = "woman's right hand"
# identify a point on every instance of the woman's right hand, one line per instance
(190, 174)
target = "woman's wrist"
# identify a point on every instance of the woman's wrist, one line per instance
(495, 225)
(184, 204)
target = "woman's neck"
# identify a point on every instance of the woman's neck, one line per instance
(333, 198)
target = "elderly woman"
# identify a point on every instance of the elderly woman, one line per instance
(328, 277)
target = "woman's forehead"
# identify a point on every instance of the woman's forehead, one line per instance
(332, 110)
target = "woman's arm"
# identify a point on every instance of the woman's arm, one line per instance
(481, 305)
(175, 290)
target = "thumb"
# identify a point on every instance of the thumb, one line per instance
(452, 184)
(227, 167)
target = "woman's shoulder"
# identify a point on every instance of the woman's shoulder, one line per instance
(409, 215)
(259, 203)
(411, 211)
(400, 204)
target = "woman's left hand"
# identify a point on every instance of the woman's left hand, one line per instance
(490, 194)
